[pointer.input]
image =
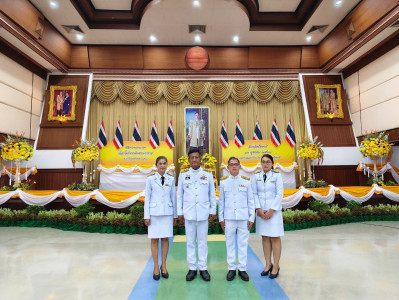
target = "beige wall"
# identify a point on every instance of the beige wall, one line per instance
(378, 87)
(17, 95)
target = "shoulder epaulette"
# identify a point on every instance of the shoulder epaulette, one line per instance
(151, 175)
(169, 174)
(275, 171)
(258, 172)
(244, 177)
(224, 177)
(184, 171)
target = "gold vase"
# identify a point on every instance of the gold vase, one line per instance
(17, 177)
(308, 162)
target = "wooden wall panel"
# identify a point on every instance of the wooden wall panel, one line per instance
(57, 179)
(367, 13)
(80, 57)
(335, 132)
(310, 57)
(116, 57)
(227, 58)
(164, 58)
(340, 175)
(274, 57)
(56, 135)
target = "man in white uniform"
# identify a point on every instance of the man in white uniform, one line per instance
(196, 203)
(236, 216)
(196, 132)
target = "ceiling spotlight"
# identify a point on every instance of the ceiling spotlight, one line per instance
(53, 4)
(79, 37)
(308, 38)
(338, 3)
(153, 39)
(196, 3)
(236, 39)
(197, 38)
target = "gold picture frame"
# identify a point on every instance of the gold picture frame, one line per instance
(62, 103)
(329, 101)
(203, 143)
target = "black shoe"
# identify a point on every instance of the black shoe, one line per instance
(230, 275)
(265, 273)
(156, 276)
(164, 275)
(205, 275)
(191, 275)
(243, 274)
(272, 276)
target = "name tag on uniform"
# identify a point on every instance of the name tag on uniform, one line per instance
(259, 180)
(242, 188)
(167, 184)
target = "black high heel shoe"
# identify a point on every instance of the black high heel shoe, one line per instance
(164, 275)
(265, 273)
(156, 276)
(272, 276)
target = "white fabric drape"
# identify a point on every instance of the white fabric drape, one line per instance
(23, 176)
(287, 173)
(387, 167)
(134, 169)
(287, 202)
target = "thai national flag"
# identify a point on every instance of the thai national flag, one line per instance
(170, 138)
(290, 135)
(257, 132)
(154, 140)
(118, 139)
(102, 137)
(239, 137)
(275, 136)
(223, 136)
(136, 137)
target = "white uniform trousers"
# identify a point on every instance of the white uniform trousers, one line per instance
(236, 230)
(197, 232)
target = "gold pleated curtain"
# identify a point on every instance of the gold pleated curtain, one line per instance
(146, 100)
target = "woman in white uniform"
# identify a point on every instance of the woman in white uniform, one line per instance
(159, 212)
(267, 186)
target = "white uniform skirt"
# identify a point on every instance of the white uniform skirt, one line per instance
(273, 227)
(160, 227)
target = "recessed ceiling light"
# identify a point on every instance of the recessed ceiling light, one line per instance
(197, 38)
(53, 4)
(236, 39)
(196, 3)
(338, 3)
(153, 39)
(308, 38)
(79, 37)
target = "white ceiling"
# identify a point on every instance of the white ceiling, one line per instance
(168, 21)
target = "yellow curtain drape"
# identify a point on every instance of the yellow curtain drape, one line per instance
(145, 101)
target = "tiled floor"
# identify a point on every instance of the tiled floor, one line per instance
(352, 261)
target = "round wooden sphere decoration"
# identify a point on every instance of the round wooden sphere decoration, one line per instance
(197, 58)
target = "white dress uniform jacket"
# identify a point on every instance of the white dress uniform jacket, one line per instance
(160, 200)
(269, 194)
(196, 198)
(236, 200)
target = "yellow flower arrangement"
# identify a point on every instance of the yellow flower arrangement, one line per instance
(84, 150)
(308, 149)
(208, 162)
(16, 148)
(376, 145)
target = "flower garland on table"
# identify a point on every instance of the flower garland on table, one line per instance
(312, 150)
(84, 151)
(16, 148)
(376, 145)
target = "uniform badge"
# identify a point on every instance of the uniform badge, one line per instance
(187, 177)
(203, 177)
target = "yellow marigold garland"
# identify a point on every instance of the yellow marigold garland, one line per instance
(308, 149)
(375, 145)
(85, 150)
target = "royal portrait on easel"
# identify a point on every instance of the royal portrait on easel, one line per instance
(62, 103)
(197, 128)
(329, 101)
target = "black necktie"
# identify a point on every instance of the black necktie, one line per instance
(264, 177)
(162, 180)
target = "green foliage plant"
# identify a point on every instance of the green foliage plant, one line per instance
(84, 210)
(318, 206)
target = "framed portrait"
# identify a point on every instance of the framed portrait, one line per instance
(197, 122)
(329, 101)
(62, 103)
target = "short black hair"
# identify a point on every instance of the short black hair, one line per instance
(193, 150)
(233, 158)
(159, 158)
(269, 157)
